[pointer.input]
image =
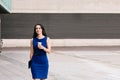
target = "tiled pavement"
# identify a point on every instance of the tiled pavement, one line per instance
(73, 63)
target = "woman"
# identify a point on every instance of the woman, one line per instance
(39, 47)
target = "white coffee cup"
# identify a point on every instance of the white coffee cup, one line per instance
(39, 43)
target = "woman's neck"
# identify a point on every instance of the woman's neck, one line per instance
(40, 36)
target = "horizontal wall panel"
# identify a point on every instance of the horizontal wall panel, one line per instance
(62, 25)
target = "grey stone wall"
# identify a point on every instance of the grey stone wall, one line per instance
(62, 25)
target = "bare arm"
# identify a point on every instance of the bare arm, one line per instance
(48, 49)
(31, 49)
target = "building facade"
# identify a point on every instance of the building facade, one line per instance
(5, 8)
(68, 22)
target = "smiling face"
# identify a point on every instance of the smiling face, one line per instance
(38, 29)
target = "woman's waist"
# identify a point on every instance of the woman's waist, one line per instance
(39, 54)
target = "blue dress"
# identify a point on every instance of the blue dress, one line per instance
(39, 61)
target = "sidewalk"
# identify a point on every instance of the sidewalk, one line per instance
(13, 65)
(73, 63)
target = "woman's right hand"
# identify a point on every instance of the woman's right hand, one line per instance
(39, 45)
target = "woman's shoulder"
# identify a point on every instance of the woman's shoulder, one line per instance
(48, 38)
(31, 40)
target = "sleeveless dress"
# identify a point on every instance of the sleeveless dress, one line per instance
(39, 61)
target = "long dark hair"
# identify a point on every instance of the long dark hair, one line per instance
(43, 31)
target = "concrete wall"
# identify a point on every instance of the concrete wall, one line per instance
(62, 26)
(64, 42)
(83, 29)
(66, 6)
